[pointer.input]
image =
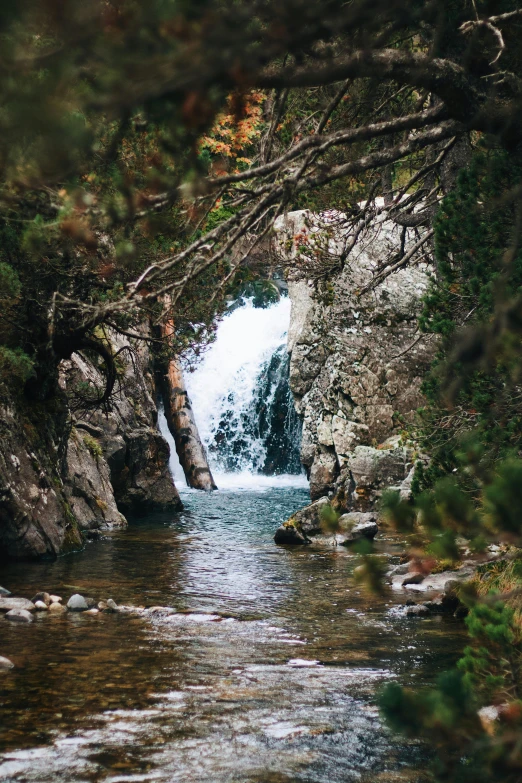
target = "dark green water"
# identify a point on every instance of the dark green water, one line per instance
(219, 693)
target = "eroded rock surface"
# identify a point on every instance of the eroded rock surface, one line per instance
(124, 442)
(66, 472)
(357, 361)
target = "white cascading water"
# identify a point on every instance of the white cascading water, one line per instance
(236, 393)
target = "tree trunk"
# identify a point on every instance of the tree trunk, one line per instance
(181, 422)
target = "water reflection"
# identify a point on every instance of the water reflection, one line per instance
(275, 683)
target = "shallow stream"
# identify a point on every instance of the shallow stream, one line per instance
(266, 673)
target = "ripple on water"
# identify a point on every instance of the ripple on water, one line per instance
(252, 663)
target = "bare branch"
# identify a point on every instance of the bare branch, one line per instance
(323, 143)
(399, 265)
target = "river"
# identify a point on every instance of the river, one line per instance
(262, 663)
(268, 672)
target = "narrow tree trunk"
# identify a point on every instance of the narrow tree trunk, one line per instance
(180, 418)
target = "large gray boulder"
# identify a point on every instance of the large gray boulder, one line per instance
(356, 526)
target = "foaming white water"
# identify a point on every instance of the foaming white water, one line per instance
(246, 339)
(222, 391)
(231, 482)
(245, 481)
(174, 463)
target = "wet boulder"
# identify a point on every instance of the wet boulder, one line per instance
(7, 604)
(45, 597)
(289, 534)
(3, 592)
(57, 608)
(354, 527)
(413, 579)
(19, 616)
(77, 603)
(5, 663)
(308, 520)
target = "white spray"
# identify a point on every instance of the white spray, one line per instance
(222, 391)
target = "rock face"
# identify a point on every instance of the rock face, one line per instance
(356, 361)
(65, 473)
(125, 455)
(35, 517)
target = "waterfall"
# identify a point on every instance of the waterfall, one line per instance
(242, 401)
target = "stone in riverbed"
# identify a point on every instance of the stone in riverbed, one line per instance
(451, 587)
(4, 592)
(289, 535)
(308, 520)
(416, 610)
(19, 616)
(77, 603)
(45, 597)
(436, 606)
(414, 579)
(5, 663)
(7, 604)
(41, 606)
(56, 599)
(57, 608)
(112, 606)
(365, 527)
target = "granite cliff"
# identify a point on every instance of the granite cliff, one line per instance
(356, 358)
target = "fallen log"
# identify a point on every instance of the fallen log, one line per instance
(181, 422)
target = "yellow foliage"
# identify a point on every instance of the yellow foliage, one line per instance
(236, 128)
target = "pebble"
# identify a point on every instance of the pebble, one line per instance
(44, 597)
(77, 603)
(57, 608)
(5, 663)
(112, 606)
(102, 605)
(41, 606)
(4, 592)
(92, 611)
(56, 599)
(19, 616)
(6, 604)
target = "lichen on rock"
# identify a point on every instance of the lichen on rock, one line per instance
(65, 472)
(356, 359)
